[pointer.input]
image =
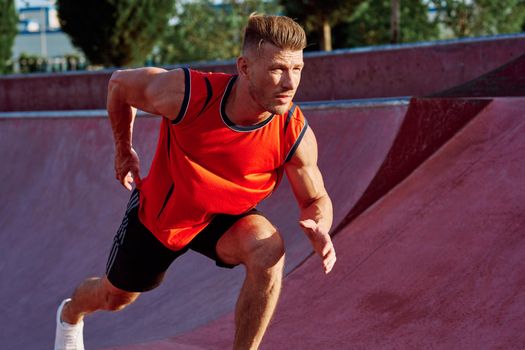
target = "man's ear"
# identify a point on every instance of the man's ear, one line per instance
(242, 66)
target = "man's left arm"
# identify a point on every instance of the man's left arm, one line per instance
(315, 204)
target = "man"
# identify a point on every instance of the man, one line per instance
(224, 143)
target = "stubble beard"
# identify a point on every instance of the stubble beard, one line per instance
(273, 108)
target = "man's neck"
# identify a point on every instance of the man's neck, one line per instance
(241, 108)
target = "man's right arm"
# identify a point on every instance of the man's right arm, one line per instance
(153, 90)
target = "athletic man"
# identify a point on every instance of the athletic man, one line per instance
(225, 141)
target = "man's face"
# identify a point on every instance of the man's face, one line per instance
(274, 75)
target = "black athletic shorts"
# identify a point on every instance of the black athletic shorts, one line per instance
(138, 260)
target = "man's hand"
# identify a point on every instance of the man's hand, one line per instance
(321, 242)
(127, 168)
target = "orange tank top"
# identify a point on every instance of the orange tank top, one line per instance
(205, 164)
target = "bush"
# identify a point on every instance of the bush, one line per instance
(114, 32)
(8, 30)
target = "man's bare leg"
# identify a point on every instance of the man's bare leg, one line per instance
(95, 294)
(91, 295)
(256, 305)
(255, 243)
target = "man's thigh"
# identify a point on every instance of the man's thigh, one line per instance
(207, 241)
(138, 260)
(249, 234)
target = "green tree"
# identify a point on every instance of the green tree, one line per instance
(115, 32)
(8, 30)
(370, 24)
(319, 16)
(394, 21)
(463, 18)
(202, 30)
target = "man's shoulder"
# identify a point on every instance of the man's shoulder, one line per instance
(210, 83)
(213, 77)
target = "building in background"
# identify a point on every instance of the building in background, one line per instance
(40, 43)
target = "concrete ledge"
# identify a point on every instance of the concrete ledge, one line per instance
(392, 70)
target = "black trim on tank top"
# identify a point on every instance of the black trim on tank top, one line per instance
(291, 111)
(185, 101)
(209, 94)
(297, 142)
(166, 199)
(228, 122)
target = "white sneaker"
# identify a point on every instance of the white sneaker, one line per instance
(68, 336)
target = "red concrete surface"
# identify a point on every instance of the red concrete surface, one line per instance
(61, 207)
(437, 263)
(404, 70)
(428, 124)
(505, 81)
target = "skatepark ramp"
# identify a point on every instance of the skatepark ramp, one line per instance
(437, 263)
(62, 207)
(428, 193)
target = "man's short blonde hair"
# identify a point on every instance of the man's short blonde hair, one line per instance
(280, 31)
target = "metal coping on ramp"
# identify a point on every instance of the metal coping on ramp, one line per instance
(93, 113)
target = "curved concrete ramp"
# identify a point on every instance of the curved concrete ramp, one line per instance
(424, 262)
(428, 124)
(354, 141)
(505, 81)
(435, 264)
(61, 206)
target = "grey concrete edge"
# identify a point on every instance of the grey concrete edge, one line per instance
(316, 105)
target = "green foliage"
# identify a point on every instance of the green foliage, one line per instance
(115, 32)
(8, 31)
(480, 17)
(319, 16)
(204, 31)
(363, 23)
(30, 63)
(370, 24)
(313, 12)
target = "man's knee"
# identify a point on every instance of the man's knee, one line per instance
(266, 255)
(264, 249)
(254, 242)
(116, 299)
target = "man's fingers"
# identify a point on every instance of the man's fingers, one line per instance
(326, 250)
(136, 176)
(127, 168)
(329, 261)
(321, 242)
(127, 181)
(309, 224)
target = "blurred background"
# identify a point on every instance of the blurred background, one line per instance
(70, 35)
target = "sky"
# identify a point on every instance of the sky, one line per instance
(32, 3)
